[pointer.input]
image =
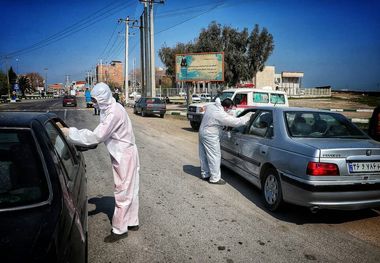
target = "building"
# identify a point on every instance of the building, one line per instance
(291, 82)
(56, 88)
(112, 73)
(79, 85)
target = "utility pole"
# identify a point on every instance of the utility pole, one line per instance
(148, 86)
(134, 75)
(8, 82)
(127, 21)
(148, 28)
(142, 57)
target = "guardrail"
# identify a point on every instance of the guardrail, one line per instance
(6, 99)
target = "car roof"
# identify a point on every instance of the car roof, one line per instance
(284, 109)
(254, 90)
(22, 118)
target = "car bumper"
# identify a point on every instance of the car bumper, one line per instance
(353, 196)
(148, 111)
(195, 117)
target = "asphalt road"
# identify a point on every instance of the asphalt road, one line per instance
(184, 219)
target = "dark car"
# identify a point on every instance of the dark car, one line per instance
(69, 100)
(43, 196)
(145, 106)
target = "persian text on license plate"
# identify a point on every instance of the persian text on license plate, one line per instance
(360, 167)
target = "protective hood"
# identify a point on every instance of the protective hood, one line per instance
(103, 95)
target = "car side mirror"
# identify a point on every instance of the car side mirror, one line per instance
(82, 148)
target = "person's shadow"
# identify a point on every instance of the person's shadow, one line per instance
(192, 170)
(104, 204)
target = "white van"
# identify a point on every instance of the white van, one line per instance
(243, 98)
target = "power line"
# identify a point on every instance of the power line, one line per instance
(109, 40)
(71, 29)
(191, 18)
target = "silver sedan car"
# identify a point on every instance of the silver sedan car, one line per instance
(307, 157)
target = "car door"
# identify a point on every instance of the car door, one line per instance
(229, 142)
(73, 183)
(229, 146)
(253, 144)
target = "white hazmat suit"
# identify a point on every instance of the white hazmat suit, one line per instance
(213, 121)
(115, 130)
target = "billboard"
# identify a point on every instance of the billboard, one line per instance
(200, 66)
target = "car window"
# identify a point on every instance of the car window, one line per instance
(277, 98)
(262, 124)
(62, 150)
(260, 97)
(241, 129)
(154, 101)
(22, 178)
(226, 95)
(240, 99)
(321, 125)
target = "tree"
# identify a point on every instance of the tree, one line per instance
(260, 47)
(3, 83)
(35, 80)
(12, 76)
(25, 85)
(167, 56)
(244, 54)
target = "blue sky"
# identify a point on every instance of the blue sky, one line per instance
(333, 42)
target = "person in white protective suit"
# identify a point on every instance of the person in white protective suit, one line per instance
(215, 117)
(115, 130)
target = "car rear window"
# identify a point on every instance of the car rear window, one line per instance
(153, 101)
(22, 178)
(69, 97)
(321, 125)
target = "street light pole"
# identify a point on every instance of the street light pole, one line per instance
(17, 65)
(46, 69)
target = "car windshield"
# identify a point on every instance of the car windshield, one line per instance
(321, 125)
(22, 179)
(226, 95)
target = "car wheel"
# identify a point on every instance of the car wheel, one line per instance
(134, 111)
(143, 114)
(195, 125)
(272, 190)
(162, 115)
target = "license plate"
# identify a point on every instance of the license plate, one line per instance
(68, 103)
(362, 167)
(190, 116)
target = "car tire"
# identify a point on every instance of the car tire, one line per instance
(271, 189)
(195, 125)
(162, 115)
(134, 111)
(143, 114)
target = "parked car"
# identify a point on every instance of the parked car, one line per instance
(243, 98)
(43, 198)
(307, 157)
(69, 100)
(205, 97)
(195, 98)
(145, 106)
